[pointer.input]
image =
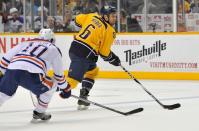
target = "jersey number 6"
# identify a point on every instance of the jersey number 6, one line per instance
(87, 31)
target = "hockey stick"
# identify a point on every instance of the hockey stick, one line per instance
(169, 107)
(108, 108)
(34, 99)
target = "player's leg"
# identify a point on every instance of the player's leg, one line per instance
(87, 84)
(8, 85)
(43, 88)
(43, 101)
(77, 69)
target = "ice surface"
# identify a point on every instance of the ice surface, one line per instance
(123, 95)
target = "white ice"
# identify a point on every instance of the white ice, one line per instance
(120, 94)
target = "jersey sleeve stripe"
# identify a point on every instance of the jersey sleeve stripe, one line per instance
(3, 64)
(3, 67)
(62, 83)
(59, 76)
(60, 79)
(4, 59)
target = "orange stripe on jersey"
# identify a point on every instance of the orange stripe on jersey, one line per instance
(46, 82)
(30, 58)
(4, 64)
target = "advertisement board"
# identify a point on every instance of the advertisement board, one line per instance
(170, 52)
(159, 53)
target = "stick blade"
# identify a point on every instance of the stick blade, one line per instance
(172, 107)
(134, 111)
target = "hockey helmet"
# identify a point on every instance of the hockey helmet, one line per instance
(106, 10)
(47, 34)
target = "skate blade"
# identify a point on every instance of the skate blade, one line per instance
(35, 121)
(82, 107)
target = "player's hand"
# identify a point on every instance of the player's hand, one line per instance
(114, 60)
(65, 93)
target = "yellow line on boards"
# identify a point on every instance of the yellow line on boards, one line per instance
(146, 75)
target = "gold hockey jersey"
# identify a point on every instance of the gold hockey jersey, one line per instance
(95, 37)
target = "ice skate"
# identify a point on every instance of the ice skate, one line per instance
(40, 116)
(81, 104)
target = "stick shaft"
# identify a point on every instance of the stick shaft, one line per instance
(142, 86)
(100, 105)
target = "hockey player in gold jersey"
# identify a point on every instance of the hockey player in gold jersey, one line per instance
(95, 38)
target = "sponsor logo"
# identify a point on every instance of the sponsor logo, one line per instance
(146, 53)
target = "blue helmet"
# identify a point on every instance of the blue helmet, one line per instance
(106, 10)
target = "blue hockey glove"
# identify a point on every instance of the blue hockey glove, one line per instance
(65, 93)
(112, 59)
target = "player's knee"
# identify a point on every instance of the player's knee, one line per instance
(72, 82)
(92, 73)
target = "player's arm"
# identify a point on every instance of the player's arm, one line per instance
(80, 19)
(63, 86)
(112, 59)
(57, 66)
(5, 61)
(106, 53)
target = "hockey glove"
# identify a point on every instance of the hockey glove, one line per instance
(113, 59)
(65, 93)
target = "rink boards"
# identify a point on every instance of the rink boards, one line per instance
(146, 55)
